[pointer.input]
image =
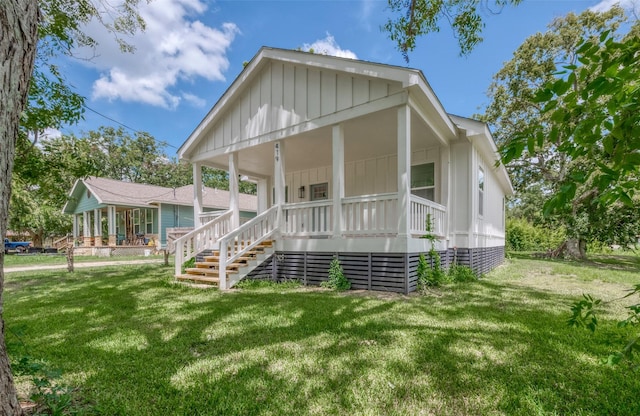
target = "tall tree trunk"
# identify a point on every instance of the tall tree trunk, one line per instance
(18, 39)
(576, 248)
(572, 248)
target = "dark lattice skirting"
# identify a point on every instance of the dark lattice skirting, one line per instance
(392, 272)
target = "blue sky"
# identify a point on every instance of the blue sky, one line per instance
(192, 50)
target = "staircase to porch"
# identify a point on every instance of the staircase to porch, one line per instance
(207, 265)
(224, 254)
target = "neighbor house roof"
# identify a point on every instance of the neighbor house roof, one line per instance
(114, 192)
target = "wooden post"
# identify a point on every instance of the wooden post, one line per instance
(404, 170)
(97, 227)
(70, 258)
(197, 194)
(337, 149)
(279, 177)
(234, 190)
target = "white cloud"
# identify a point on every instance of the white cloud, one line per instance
(51, 133)
(605, 5)
(194, 100)
(328, 46)
(174, 47)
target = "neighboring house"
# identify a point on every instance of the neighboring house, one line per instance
(116, 213)
(351, 159)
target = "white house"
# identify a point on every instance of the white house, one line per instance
(352, 159)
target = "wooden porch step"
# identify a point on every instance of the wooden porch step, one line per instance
(198, 279)
(216, 259)
(254, 251)
(209, 272)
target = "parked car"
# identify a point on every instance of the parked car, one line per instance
(18, 246)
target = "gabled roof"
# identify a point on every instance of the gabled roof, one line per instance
(478, 132)
(409, 78)
(114, 192)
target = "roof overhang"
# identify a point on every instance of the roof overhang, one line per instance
(423, 99)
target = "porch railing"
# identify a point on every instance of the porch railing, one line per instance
(237, 242)
(205, 217)
(200, 239)
(421, 209)
(308, 219)
(370, 215)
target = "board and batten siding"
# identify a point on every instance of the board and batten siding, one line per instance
(362, 177)
(86, 203)
(174, 216)
(287, 94)
(489, 228)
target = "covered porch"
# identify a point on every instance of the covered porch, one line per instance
(113, 225)
(371, 183)
(380, 177)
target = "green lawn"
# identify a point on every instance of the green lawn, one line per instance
(132, 343)
(11, 260)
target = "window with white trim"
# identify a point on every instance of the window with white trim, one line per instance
(148, 221)
(136, 221)
(480, 191)
(423, 181)
(319, 191)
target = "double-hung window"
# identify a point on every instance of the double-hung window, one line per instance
(480, 191)
(423, 181)
(148, 221)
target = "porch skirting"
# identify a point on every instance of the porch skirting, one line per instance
(391, 272)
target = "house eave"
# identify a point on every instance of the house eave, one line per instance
(411, 80)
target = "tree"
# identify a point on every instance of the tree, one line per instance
(18, 38)
(45, 173)
(530, 136)
(30, 101)
(414, 18)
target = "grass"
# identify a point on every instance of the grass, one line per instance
(133, 343)
(11, 260)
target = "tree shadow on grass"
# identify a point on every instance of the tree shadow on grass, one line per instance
(622, 262)
(136, 345)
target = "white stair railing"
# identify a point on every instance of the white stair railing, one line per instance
(202, 238)
(244, 238)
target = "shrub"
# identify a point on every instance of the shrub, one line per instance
(337, 280)
(524, 236)
(461, 274)
(430, 274)
(189, 264)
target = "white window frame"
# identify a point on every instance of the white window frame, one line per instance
(481, 182)
(148, 221)
(420, 188)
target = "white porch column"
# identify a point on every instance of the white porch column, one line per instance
(404, 170)
(234, 197)
(263, 195)
(111, 225)
(279, 179)
(97, 227)
(445, 175)
(86, 230)
(337, 149)
(76, 227)
(197, 194)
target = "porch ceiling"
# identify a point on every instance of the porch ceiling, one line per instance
(366, 137)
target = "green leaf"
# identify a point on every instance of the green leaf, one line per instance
(561, 86)
(608, 142)
(543, 95)
(550, 106)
